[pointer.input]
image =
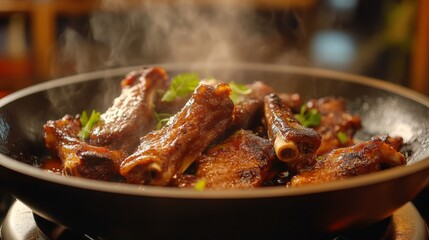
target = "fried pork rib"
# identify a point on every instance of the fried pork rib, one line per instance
(132, 113)
(165, 152)
(335, 121)
(78, 157)
(248, 111)
(342, 163)
(292, 141)
(256, 142)
(242, 161)
(291, 100)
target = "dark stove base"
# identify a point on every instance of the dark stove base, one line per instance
(20, 223)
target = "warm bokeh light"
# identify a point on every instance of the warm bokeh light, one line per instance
(43, 40)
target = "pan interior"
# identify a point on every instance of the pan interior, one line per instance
(382, 110)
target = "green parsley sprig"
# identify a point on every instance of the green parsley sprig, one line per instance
(88, 123)
(181, 86)
(237, 91)
(308, 117)
(184, 84)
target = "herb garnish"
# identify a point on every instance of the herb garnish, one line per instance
(342, 137)
(88, 123)
(181, 86)
(200, 185)
(184, 84)
(308, 117)
(237, 90)
(162, 119)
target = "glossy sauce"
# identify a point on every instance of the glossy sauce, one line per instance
(53, 165)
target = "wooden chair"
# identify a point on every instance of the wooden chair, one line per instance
(420, 58)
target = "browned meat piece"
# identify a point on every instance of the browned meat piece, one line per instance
(244, 114)
(395, 141)
(174, 147)
(171, 107)
(184, 181)
(78, 157)
(259, 90)
(132, 113)
(292, 101)
(343, 163)
(63, 131)
(242, 161)
(292, 142)
(248, 111)
(337, 127)
(98, 163)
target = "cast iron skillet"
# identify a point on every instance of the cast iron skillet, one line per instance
(123, 211)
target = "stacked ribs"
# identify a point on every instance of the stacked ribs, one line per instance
(211, 139)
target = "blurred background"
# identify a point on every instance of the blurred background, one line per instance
(46, 39)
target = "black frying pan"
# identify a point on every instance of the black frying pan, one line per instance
(123, 211)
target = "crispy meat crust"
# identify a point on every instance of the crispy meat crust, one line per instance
(343, 163)
(242, 161)
(292, 141)
(163, 153)
(131, 115)
(78, 157)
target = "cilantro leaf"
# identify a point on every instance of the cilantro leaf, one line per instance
(308, 117)
(181, 86)
(237, 90)
(88, 123)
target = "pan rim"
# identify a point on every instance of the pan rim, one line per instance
(266, 192)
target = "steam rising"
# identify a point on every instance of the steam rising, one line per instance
(161, 31)
(174, 31)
